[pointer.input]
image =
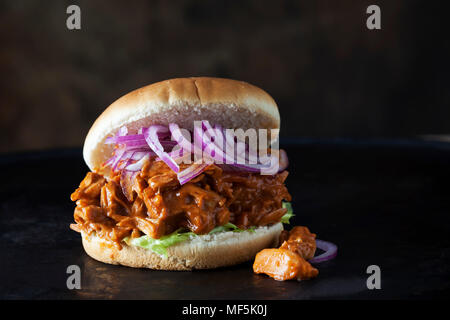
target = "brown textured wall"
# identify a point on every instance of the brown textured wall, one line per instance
(329, 74)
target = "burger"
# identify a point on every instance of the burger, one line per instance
(172, 186)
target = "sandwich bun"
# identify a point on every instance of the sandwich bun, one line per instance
(230, 103)
(201, 252)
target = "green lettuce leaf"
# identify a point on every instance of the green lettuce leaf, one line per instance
(289, 214)
(230, 227)
(160, 245)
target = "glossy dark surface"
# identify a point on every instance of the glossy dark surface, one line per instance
(384, 203)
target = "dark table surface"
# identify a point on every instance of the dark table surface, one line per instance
(382, 202)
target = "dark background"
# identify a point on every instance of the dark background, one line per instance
(378, 193)
(331, 76)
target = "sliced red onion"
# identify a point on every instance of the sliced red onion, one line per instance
(245, 158)
(233, 142)
(124, 139)
(178, 156)
(151, 136)
(123, 131)
(109, 161)
(330, 251)
(126, 183)
(213, 144)
(127, 159)
(241, 160)
(136, 144)
(181, 140)
(230, 144)
(137, 166)
(207, 148)
(215, 151)
(132, 139)
(117, 157)
(140, 152)
(191, 172)
(138, 155)
(169, 143)
(243, 153)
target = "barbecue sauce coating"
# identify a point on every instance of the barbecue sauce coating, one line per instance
(289, 261)
(301, 241)
(152, 202)
(283, 264)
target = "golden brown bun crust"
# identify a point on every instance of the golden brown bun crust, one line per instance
(203, 252)
(230, 103)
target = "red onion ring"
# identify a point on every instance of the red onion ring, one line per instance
(330, 251)
(151, 136)
(178, 136)
(137, 166)
(213, 144)
(191, 172)
(214, 151)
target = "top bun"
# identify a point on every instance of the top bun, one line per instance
(230, 103)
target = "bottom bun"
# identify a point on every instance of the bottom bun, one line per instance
(202, 252)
